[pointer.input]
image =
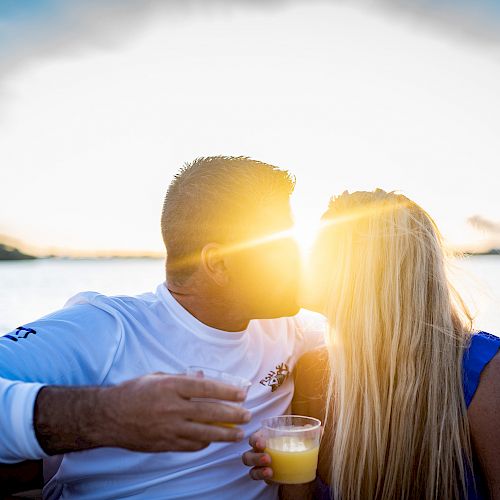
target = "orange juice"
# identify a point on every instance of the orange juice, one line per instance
(293, 459)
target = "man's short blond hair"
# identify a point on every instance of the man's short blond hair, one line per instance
(219, 199)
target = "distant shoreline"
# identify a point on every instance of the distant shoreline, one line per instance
(64, 258)
(494, 251)
(9, 253)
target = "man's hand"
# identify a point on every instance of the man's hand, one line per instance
(153, 413)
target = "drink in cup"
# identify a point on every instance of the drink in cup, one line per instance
(223, 377)
(292, 441)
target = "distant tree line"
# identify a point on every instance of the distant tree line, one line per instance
(11, 253)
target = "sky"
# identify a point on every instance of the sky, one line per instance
(102, 102)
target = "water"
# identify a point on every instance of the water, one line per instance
(31, 289)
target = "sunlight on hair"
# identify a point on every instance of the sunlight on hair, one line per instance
(398, 331)
(304, 231)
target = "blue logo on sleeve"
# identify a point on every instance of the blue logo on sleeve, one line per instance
(20, 333)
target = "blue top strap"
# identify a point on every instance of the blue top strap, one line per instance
(481, 351)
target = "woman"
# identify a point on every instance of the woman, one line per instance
(402, 364)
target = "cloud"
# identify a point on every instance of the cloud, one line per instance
(483, 224)
(34, 29)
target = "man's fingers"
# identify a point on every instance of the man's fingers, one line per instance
(253, 459)
(218, 412)
(257, 441)
(212, 433)
(261, 473)
(191, 387)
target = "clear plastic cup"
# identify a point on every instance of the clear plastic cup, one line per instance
(292, 441)
(223, 377)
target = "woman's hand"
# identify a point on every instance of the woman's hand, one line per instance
(260, 463)
(258, 460)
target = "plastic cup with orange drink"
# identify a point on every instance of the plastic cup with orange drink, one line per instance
(223, 377)
(292, 441)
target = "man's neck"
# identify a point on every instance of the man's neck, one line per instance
(210, 310)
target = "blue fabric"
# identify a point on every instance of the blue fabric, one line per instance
(483, 347)
(321, 490)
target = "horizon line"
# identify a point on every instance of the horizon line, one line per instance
(62, 252)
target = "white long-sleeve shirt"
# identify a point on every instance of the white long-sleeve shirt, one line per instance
(17, 435)
(100, 340)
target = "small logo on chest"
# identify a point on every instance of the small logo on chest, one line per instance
(277, 377)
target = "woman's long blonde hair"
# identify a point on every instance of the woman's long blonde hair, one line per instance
(398, 331)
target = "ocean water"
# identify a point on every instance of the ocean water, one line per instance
(31, 289)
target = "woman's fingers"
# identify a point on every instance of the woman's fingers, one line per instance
(257, 441)
(253, 459)
(257, 459)
(261, 473)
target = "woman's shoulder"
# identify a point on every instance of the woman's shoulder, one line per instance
(481, 366)
(482, 349)
(484, 421)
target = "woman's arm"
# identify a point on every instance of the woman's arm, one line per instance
(310, 374)
(311, 382)
(484, 420)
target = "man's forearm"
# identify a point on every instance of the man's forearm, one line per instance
(153, 413)
(72, 419)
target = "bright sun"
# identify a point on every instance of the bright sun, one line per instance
(304, 232)
(307, 211)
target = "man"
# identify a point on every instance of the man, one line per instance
(230, 260)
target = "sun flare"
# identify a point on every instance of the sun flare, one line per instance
(304, 232)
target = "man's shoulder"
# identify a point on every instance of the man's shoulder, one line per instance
(307, 321)
(116, 305)
(304, 323)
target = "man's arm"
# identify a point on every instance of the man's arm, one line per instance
(153, 413)
(72, 346)
(17, 437)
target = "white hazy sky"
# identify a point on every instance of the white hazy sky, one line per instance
(346, 97)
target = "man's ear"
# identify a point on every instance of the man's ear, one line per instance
(212, 262)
